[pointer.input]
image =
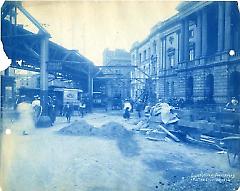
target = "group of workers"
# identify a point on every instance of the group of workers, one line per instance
(128, 106)
(53, 109)
(233, 106)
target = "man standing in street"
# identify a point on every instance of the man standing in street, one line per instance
(68, 112)
(52, 111)
(82, 107)
(139, 108)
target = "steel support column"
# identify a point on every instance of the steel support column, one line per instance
(44, 120)
(44, 75)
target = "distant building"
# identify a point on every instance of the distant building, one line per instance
(26, 79)
(117, 69)
(187, 56)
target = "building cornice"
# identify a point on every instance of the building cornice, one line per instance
(192, 7)
(185, 9)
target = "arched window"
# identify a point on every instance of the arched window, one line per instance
(209, 87)
(189, 88)
(234, 85)
(167, 89)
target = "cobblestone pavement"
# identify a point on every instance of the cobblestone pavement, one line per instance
(47, 160)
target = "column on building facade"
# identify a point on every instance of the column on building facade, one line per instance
(220, 26)
(181, 51)
(161, 55)
(158, 51)
(163, 42)
(204, 32)
(164, 53)
(156, 58)
(186, 39)
(199, 36)
(228, 38)
(179, 46)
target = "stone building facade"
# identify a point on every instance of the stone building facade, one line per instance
(187, 56)
(117, 69)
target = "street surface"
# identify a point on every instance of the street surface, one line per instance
(45, 160)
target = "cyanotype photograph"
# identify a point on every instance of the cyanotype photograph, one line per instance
(120, 95)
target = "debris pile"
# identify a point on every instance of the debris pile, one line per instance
(156, 127)
(155, 135)
(164, 111)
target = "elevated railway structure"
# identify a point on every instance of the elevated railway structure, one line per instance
(35, 52)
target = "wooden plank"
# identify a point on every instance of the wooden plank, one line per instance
(169, 133)
(154, 139)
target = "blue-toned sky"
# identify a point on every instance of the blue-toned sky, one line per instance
(92, 26)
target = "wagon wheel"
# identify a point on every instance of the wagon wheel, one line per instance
(233, 150)
(233, 158)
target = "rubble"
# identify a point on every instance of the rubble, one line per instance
(142, 124)
(164, 112)
(160, 114)
(155, 135)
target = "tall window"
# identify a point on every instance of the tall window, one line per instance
(153, 70)
(189, 88)
(209, 87)
(154, 47)
(171, 57)
(191, 33)
(145, 55)
(172, 89)
(172, 60)
(191, 53)
(167, 89)
(133, 58)
(140, 57)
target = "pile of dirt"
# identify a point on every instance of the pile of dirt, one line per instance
(113, 130)
(109, 130)
(78, 128)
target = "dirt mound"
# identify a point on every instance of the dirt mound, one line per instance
(110, 130)
(78, 128)
(113, 130)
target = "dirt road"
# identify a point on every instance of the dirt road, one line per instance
(45, 160)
